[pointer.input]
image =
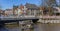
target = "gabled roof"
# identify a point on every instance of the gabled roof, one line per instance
(31, 6)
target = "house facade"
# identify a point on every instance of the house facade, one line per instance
(32, 9)
(8, 12)
(20, 10)
(1, 12)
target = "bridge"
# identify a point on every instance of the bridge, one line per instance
(43, 19)
(8, 19)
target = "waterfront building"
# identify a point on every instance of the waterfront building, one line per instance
(1, 12)
(32, 9)
(8, 12)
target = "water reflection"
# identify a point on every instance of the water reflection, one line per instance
(35, 27)
(3, 29)
(9, 27)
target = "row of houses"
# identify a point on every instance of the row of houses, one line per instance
(29, 9)
(51, 11)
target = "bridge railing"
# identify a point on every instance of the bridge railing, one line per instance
(18, 17)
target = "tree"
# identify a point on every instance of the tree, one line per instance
(49, 3)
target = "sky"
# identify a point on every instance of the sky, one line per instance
(58, 2)
(9, 3)
(6, 4)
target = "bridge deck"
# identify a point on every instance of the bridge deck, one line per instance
(23, 18)
(14, 19)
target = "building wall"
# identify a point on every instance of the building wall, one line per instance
(8, 12)
(20, 12)
(34, 12)
(1, 12)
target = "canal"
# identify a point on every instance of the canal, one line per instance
(34, 27)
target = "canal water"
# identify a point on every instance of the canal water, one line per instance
(34, 27)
